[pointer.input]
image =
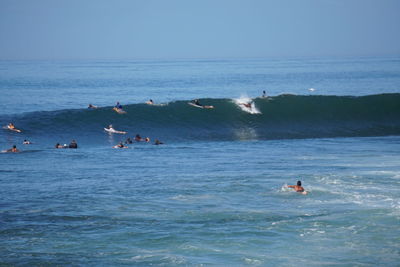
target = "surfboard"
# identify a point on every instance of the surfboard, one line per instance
(198, 106)
(119, 110)
(114, 131)
(12, 129)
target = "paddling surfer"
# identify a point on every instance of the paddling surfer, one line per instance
(298, 188)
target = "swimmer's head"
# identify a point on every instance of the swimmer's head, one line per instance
(299, 183)
(14, 146)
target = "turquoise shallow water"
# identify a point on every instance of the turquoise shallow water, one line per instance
(212, 200)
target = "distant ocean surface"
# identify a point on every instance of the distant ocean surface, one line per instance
(214, 194)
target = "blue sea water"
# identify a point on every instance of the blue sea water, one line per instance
(215, 193)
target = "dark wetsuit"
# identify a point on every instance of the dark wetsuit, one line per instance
(73, 145)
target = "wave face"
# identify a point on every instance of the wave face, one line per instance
(280, 117)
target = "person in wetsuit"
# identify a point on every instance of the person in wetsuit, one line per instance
(73, 144)
(196, 102)
(118, 106)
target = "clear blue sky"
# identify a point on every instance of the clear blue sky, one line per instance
(147, 29)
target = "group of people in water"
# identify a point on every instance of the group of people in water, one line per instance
(118, 107)
(74, 145)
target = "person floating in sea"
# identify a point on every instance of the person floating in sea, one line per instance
(150, 102)
(120, 145)
(264, 94)
(298, 188)
(13, 149)
(26, 142)
(128, 141)
(158, 142)
(92, 106)
(138, 138)
(11, 127)
(60, 146)
(73, 144)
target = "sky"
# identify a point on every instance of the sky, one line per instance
(197, 29)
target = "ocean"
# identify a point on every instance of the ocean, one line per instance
(215, 193)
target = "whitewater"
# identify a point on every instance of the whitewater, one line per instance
(215, 193)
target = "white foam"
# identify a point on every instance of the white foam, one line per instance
(240, 102)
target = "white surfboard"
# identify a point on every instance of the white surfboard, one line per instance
(119, 110)
(11, 129)
(198, 106)
(114, 131)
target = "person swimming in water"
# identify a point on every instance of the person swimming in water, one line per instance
(138, 138)
(26, 142)
(73, 144)
(150, 102)
(158, 142)
(60, 146)
(13, 149)
(120, 145)
(128, 141)
(298, 188)
(92, 107)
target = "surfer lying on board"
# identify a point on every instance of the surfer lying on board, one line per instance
(138, 138)
(27, 142)
(12, 150)
(92, 107)
(60, 146)
(196, 102)
(150, 102)
(158, 142)
(120, 145)
(73, 144)
(298, 188)
(11, 127)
